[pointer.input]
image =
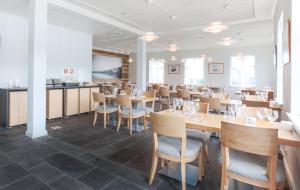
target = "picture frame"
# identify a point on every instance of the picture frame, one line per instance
(216, 68)
(287, 43)
(174, 69)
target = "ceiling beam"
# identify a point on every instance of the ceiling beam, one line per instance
(95, 16)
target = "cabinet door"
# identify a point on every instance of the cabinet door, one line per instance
(54, 103)
(17, 108)
(84, 100)
(93, 104)
(71, 101)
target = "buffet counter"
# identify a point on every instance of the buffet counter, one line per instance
(60, 101)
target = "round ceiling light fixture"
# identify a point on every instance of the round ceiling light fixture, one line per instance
(149, 37)
(173, 58)
(226, 41)
(172, 47)
(215, 27)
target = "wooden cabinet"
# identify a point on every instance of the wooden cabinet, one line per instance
(71, 101)
(93, 104)
(84, 100)
(17, 108)
(54, 103)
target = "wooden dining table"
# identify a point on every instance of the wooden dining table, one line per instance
(134, 99)
(212, 123)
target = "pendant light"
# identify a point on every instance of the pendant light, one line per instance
(215, 26)
(149, 36)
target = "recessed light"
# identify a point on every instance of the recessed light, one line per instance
(173, 58)
(173, 17)
(227, 7)
(123, 13)
(114, 33)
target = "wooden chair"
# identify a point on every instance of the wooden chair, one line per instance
(214, 103)
(249, 158)
(270, 94)
(202, 136)
(249, 91)
(126, 111)
(170, 143)
(149, 94)
(126, 92)
(156, 88)
(184, 94)
(164, 98)
(99, 98)
(251, 103)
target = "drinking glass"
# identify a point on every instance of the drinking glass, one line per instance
(180, 103)
(273, 115)
(261, 113)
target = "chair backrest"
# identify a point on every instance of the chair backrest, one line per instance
(168, 125)
(245, 138)
(270, 94)
(149, 94)
(124, 101)
(184, 93)
(251, 103)
(126, 92)
(214, 102)
(164, 92)
(203, 107)
(249, 91)
(98, 97)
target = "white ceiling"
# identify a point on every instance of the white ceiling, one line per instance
(116, 23)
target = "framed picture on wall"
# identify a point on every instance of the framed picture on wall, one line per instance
(216, 68)
(174, 69)
(287, 42)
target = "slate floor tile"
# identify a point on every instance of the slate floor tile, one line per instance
(96, 178)
(121, 184)
(68, 164)
(29, 182)
(68, 183)
(11, 173)
(46, 172)
(25, 159)
(4, 160)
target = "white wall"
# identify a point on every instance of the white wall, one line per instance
(66, 49)
(265, 72)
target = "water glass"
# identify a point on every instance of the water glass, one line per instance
(261, 113)
(273, 115)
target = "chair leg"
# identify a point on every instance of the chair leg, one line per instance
(95, 118)
(183, 176)
(206, 152)
(130, 126)
(200, 166)
(153, 168)
(104, 119)
(119, 123)
(145, 122)
(108, 117)
(224, 178)
(203, 162)
(162, 163)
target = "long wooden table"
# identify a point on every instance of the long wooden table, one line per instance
(212, 123)
(135, 99)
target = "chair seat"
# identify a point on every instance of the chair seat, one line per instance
(171, 146)
(107, 109)
(204, 137)
(253, 166)
(148, 109)
(135, 113)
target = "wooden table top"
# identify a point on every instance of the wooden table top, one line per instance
(212, 123)
(230, 102)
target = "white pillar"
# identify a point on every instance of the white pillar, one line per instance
(295, 56)
(36, 126)
(141, 64)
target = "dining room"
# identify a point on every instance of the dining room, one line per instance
(149, 94)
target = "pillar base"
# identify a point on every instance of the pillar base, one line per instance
(36, 135)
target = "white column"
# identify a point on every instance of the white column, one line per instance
(36, 126)
(295, 57)
(141, 64)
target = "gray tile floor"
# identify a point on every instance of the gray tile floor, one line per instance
(75, 155)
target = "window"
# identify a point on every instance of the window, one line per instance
(156, 71)
(242, 71)
(193, 71)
